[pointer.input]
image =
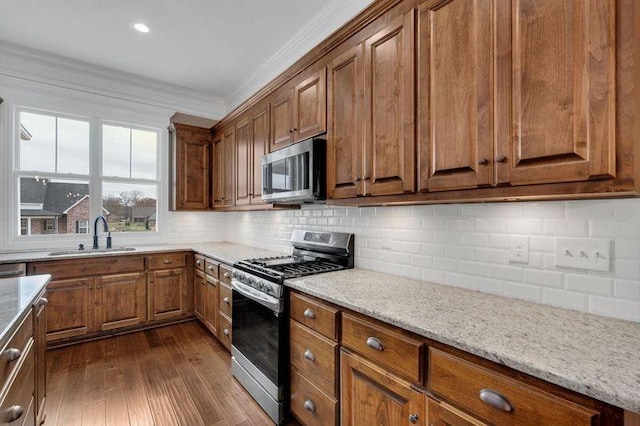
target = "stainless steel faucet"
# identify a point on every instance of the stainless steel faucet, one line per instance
(95, 232)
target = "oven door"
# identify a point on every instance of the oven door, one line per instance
(259, 333)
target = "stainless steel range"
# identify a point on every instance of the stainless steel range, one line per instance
(259, 347)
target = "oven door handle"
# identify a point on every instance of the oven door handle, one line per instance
(263, 299)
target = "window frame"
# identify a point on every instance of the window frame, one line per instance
(95, 179)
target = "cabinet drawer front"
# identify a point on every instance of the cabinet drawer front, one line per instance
(60, 269)
(21, 389)
(315, 315)
(225, 274)
(314, 356)
(310, 404)
(461, 382)
(199, 262)
(384, 346)
(224, 331)
(211, 267)
(15, 349)
(167, 260)
(225, 299)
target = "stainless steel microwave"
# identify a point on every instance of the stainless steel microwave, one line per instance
(296, 174)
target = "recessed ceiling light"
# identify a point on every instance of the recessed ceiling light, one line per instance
(141, 27)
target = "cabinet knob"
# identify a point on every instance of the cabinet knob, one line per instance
(168, 261)
(43, 301)
(309, 313)
(310, 406)
(495, 399)
(375, 343)
(14, 413)
(210, 267)
(501, 159)
(309, 355)
(227, 275)
(225, 331)
(483, 161)
(413, 418)
(226, 300)
(13, 354)
(198, 262)
(99, 287)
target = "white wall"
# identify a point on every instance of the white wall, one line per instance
(466, 245)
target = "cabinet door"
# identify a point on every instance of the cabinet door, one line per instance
(455, 107)
(211, 305)
(40, 346)
(70, 310)
(442, 414)
(243, 158)
(371, 395)
(344, 139)
(120, 301)
(229, 163)
(310, 107)
(281, 120)
(260, 135)
(192, 168)
(218, 171)
(562, 104)
(199, 291)
(388, 109)
(166, 294)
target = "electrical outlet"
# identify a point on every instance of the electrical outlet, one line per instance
(584, 253)
(519, 249)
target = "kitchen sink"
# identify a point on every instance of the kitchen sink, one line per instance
(92, 251)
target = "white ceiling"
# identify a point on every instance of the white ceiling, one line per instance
(211, 46)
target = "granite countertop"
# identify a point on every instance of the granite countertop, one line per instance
(16, 297)
(592, 355)
(225, 252)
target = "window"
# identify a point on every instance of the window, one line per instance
(71, 169)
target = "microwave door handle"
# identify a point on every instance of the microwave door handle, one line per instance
(265, 300)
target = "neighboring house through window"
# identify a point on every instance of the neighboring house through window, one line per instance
(56, 182)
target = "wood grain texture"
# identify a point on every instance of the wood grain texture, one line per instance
(166, 289)
(322, 369)
(20, 389)
(175, 375)
(371, 395)
(344, 139)
(166, 260)
(199, 294)
(193, 156)
(310, 106)
(120, 301)
(40, 349)
(60, 269)
(226, 299)
(321, 317)
(71, 308)
(229, 147)
(460, 383)
(455, 81)
(211, 305)
(325, 408)
(243, 158)
(260, 148)
(442, 414)
(281, 112)
(20, 340)
(218, 173)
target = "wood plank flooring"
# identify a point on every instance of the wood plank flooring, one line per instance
(174, 375)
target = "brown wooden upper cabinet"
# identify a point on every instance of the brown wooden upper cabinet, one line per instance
(191, 167)
(300, 112)
(252, 136)
(217, 151)
(371, 145)
(224, 147)
(520, 93)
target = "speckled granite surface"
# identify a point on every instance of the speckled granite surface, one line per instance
(592, 355)
(222, 251)
(16, 297)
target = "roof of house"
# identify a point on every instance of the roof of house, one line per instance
(142, 212)
(55, 197)
(37, 213)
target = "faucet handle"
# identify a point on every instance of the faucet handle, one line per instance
(80, 246)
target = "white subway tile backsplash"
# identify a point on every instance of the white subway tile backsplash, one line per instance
(588, 284)
(565, 299)
(464, 245)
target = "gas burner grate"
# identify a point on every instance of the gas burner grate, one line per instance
(305, 268)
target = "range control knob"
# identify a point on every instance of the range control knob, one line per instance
(261, 285)
(251, 281)
(269, 289)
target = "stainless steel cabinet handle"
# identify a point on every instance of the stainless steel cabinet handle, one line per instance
(309, 313)
(482, 161)
(210, 267)
(309, 355)
(14, 413)
(168, 262)
(310, 406)
(13, 354)
(495, 400)
(226, 300)
(225, 331)
(198, 262)
(227, 275)
(501, 159)
(413, 418)
(375, 343)
(43, 301)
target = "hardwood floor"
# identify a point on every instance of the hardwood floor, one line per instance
(174, 375)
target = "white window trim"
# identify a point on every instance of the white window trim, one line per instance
(82, 106)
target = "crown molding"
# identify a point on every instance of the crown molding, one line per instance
(331, 17)
(32, 65)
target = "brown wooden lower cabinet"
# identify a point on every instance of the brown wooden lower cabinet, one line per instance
(40, 347)
(310, 404)
(443, 414)
(199, 291)
(166, 294)
(120, 301)
(70, 312)
(211, 307)
(372, 395)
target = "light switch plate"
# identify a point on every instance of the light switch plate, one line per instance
(519, 248)
(584, 253)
